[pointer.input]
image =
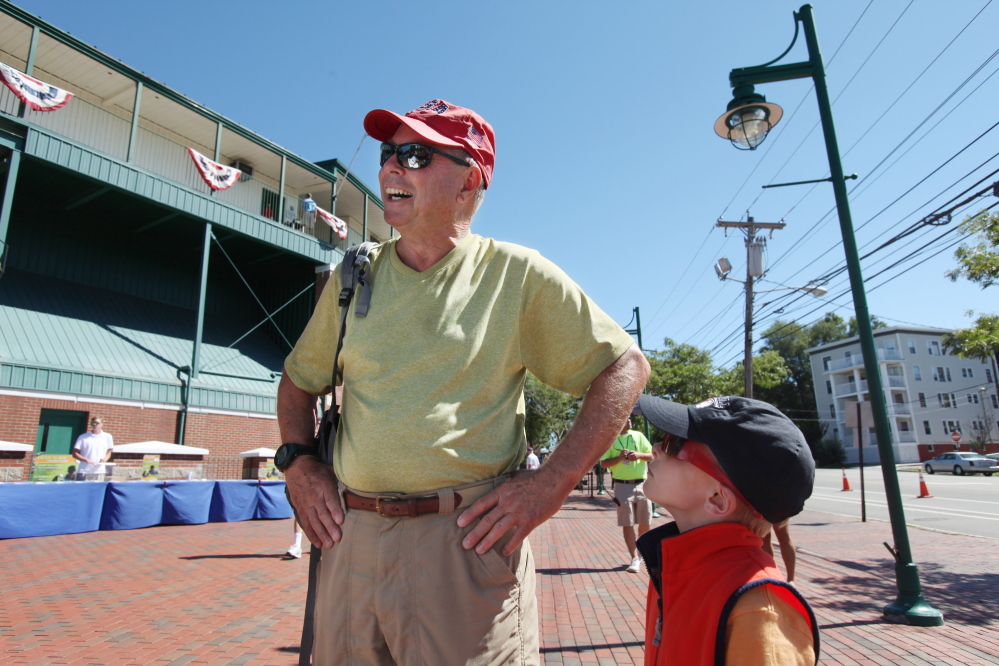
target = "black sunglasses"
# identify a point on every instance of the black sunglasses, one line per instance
(415, 155)
(672, 445)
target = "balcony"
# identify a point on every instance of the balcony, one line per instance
(896, 382)
(899, 410)
(849, 388)
(857, 360)
(129, 132)
(906, 437)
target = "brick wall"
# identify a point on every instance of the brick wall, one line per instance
(226, 436)
(15, 465)
(925, 453)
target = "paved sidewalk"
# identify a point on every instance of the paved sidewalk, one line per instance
(224, 594)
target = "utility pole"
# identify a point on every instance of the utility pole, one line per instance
(754, 268)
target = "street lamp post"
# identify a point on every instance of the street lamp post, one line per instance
(746, 122)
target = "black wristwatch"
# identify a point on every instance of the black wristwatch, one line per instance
(288, 451)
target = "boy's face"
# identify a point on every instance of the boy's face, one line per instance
(677, 485)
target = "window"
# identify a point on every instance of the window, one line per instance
(971, 372)
(952, 426)
(953, 401)
(948, 374)
(825, 362)
(977, 425)
(917, 373)
(936, 374)
(930, 447)
(927, 429)
(967, 372)
(988, 376)
(832, 411)
(995, 401)
(933, 347)
(903, 426)
(944, 399)
(894, 371)
(973, 398)
(912, 346)
(847, 354)
(922, 399)
(828, 386)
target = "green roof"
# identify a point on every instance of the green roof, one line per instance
(57, 335)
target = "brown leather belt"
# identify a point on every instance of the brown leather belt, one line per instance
(396, 507)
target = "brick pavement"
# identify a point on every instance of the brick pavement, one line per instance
(223, 594)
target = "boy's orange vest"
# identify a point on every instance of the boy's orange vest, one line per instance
(695, 579)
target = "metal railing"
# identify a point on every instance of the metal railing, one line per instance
(87, 124)
(857, 360)
(849, 387)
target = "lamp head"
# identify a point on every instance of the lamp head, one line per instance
(723, 268)
(748, 119)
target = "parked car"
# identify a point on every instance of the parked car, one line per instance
(994, 456)
(961, 462)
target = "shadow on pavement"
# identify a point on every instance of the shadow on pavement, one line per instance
(568, 649)
(233, 557)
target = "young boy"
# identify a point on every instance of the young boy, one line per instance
(728, 469)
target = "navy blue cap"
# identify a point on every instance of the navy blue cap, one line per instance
(759, 448)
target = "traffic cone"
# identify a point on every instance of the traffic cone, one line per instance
(923, 490)
(846, 483)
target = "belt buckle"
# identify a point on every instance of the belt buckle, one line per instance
(386, 500)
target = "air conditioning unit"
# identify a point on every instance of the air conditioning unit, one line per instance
(245, 168)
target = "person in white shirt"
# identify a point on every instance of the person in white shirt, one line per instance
(93, 448)
(532, 459)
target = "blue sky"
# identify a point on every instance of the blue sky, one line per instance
(606, 158)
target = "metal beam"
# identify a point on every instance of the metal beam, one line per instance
(7, 204)
(99, 192)
(135, 121)
(200, 326)
(168, 216)
(29, 65)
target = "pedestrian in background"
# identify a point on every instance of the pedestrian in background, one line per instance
(628, 459)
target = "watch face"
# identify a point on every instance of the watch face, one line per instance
(281, 457)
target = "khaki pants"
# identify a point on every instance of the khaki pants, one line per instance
(404, 591)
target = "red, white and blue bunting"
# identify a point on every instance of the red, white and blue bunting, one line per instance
(338, 225)
(38, 95)
(218, 176)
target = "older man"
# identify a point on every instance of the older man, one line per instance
(430, 564)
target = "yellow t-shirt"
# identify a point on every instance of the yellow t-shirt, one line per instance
(434, 375)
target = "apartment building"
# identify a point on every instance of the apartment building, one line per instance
(129, 287)
(930, 394)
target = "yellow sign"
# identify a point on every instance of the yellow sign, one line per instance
(54, 467)
(150, 467)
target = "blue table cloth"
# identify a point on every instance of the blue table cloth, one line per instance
(131, 505)
(234, 501)
(45, 509)
(272, 502)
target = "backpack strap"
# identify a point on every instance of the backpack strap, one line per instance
(354, 272)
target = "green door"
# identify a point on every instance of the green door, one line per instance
(58, 430)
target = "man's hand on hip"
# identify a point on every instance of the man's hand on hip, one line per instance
(313, 491)
(520, 505)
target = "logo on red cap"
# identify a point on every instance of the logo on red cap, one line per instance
(438, 106)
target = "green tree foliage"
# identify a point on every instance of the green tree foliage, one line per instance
(978, 262)
(980, 341)
(550, 413)
(683, 373)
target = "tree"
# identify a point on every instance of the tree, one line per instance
(979, 261)
(685, 374)
(550, 413)
(852, 329)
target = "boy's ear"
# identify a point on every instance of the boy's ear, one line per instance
(722, 503)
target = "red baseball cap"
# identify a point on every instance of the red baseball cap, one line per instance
(442, 123)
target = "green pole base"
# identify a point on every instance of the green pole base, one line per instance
(913, 610)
